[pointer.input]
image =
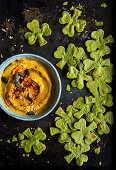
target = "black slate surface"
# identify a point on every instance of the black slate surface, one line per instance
(50, 11)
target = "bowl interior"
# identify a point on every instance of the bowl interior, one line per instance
(55, 91)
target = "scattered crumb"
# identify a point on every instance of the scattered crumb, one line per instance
(14, 139)
(103, 5)
(100, 163)
(68, 87)
(97, 150)
(8, 141)
(65, 3)
(98, 23)
(80, 7)
(72, 8)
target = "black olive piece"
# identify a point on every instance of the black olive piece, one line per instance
(4, 79)
(30, 113)
(17, 84)
(10, 49)
(21, 74)
(27, 72)
(17, 77)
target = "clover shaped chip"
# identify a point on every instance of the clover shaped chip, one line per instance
(76, 152)
(80, 78)
(37, 33)
(64, 123)
(98, 102)
(72, 55)
(97, 62)
(102, 120)
(65, 119)
(72, 22)
(99, 41)
(98, 86)
(84, 132)
(33, 141)
(104, 73)
(83, 108)
(63, 137)
(66, 56)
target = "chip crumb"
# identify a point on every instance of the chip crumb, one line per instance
(14, 139)
(17, 144)
(68, 87)
(65, 3)
(80, 7)
(97, 150)
(23, 155)
(100, 163)
(72, 8)
(104, 5)
(20, 136)
(8, 141)
(27, 155)
(98, 23)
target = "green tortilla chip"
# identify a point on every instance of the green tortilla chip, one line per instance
(33, 140)
(84, 132)
(81, 77)
(99, 41)
(76, 152)
(37, 32)
(72, 22)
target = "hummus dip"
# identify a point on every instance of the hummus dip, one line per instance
(25, 86)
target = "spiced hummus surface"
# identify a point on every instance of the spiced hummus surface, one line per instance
(25, 86)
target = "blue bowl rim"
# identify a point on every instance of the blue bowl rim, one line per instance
(30, 118)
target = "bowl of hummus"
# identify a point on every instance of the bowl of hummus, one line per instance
(30, 87)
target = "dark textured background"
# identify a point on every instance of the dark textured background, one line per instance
(50, 11)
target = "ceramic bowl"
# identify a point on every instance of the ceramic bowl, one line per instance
(55, 94)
